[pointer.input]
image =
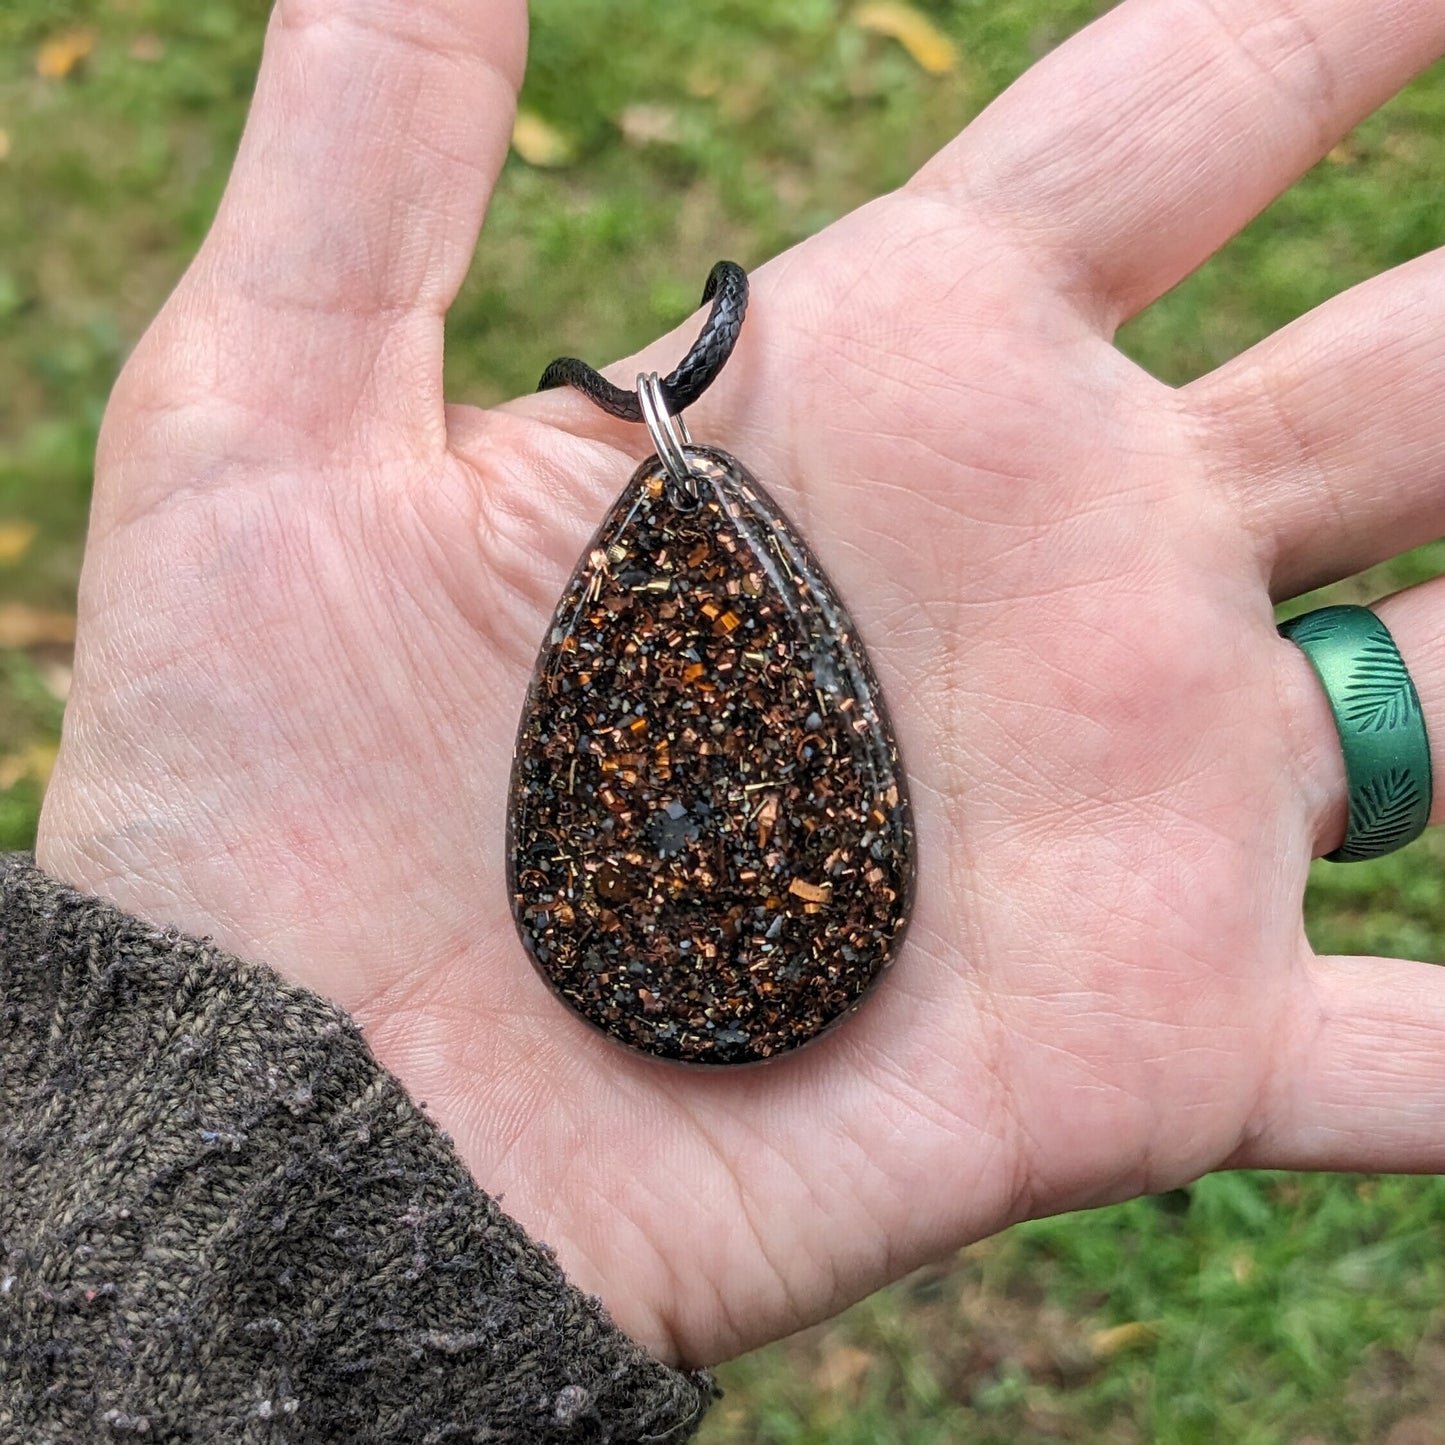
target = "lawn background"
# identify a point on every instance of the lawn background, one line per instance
(1251, 1308)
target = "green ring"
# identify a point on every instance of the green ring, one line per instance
(1381, 727)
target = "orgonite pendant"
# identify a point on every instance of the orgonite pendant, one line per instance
(711, 853)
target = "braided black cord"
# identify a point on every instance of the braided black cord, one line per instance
(727, 289)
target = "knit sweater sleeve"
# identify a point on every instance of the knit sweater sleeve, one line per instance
(221, 1219)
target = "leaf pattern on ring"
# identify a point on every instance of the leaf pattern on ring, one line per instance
(1379, 696)
(1383, 813)
(1313, 626)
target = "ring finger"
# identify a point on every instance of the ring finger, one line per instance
(1413, 619)
(1358, 1079)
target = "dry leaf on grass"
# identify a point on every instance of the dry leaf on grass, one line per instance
(1055, 1425)
(57, 677)
(1417, 1430)
(22, 626)
(644, 124)
(703, 81)
(1105, 1344)
(37, 762)
(5, 145)
(929, 47)
(843, 1369)
(538, 142)
(15, 540)
(62, 53)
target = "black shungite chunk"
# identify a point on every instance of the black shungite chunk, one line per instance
(710, 845)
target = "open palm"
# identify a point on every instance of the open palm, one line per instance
(313, 598)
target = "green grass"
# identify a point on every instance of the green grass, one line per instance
(1258, 1308)
(1251, 1308)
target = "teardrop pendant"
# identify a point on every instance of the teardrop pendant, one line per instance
(710, 844)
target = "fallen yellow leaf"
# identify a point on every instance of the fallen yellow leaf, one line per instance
(930, 48)
(37, 762)
(4, 145)
(15, 540)
(1105, 1344)
(22, 626)
(538, 142)
(62, 53)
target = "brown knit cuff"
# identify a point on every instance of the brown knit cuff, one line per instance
(221, 1219)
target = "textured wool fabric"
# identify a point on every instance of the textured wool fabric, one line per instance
(222, 1220)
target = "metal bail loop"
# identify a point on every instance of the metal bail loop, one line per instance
(669, 434)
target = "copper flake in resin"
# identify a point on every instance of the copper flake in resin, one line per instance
(711, 852)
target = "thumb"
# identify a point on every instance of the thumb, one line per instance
(316, 304)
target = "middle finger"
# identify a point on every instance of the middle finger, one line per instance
(1330, 433)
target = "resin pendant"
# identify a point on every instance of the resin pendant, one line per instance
(710, 845)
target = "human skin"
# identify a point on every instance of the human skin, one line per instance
(313, 594)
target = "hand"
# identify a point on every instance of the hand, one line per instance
(313, 597)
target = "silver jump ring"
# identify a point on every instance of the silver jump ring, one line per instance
(669, 433)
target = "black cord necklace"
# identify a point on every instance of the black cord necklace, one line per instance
(710, 848)
(727, 289)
